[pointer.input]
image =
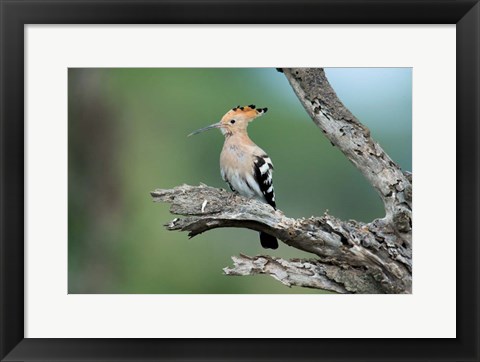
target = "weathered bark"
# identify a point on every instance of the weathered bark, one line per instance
(355, 257)
(349, 256)
(344, 130)
(303, 273)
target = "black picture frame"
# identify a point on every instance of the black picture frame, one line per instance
(15, 14)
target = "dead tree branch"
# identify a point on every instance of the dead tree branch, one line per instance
(345, 131)
(302, 273)
(354, 257)
(350, 256)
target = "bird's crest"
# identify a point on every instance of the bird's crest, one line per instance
(250, 111)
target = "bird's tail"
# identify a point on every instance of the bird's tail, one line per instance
(268, 241)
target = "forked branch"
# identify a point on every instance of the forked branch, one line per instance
(349, 256)
(346, 132)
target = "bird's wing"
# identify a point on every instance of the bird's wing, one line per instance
(263, 168)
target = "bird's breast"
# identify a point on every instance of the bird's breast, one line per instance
(235, 157)
(236, 167)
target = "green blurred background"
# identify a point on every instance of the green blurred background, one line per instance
(127, 136)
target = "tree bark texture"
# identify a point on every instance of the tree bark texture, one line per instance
(347, 256)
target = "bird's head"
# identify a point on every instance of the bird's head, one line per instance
(235, 120)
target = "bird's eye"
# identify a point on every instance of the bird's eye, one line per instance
(232, 121)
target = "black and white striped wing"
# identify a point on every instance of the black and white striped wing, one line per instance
(263, 168)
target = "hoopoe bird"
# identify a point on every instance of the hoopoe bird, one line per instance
(244, 166)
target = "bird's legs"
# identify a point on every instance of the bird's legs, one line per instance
(234, 193)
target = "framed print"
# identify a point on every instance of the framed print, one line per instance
(124, 239)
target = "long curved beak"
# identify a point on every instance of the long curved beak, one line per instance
(212, 126)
